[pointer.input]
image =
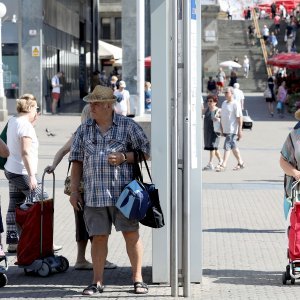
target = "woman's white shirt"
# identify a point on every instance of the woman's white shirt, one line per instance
(19, 127)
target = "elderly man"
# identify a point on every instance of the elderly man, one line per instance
(238, 94)
(231, 124)
(102, 152)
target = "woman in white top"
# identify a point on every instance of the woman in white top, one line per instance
(22, 163)
(122, 105)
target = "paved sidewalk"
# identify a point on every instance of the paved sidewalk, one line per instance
(243, 226)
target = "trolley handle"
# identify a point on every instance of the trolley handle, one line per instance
(43, 182)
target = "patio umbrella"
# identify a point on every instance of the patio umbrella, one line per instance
(230, 64)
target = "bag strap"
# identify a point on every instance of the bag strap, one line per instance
(143, 159)
(69, 168)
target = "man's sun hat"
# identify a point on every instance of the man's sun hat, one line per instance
(100, 94)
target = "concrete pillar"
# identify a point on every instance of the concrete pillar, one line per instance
(31, 48)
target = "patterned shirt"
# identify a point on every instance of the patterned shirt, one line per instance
(291, 153)
(103, 183)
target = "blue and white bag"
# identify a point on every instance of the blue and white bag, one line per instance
(134, 201)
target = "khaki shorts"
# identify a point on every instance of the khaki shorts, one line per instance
(99, 220)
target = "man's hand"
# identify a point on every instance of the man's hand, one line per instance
(76, 201)
(116, 158)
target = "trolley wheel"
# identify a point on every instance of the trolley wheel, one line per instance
(284, 280)
(293, 280)
(3, 280)
(45, 269)
(64, 264)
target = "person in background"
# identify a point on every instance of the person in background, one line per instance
(82, 235)
(251, 34)
(273, 9)
(221, 79)
(290, 161)
(211, 138)
(265, 33)
(238, 95)
(246, 66)
(270, 100)
(4, 152)
(231, 124)
(55, 83)
(114, 84)
(148, 95)
(233, 78)
(282, 97)
(122, 105)
(277, 24)
(21, 166)
(211, 86)
(102, 155)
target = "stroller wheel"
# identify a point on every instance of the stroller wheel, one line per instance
(64, 264)
(284, 278)
(45, 270)
(3, 280)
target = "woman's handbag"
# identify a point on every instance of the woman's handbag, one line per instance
(279, 105)
(139, 200)
(217, 122)
(67, 189)
(267, 93)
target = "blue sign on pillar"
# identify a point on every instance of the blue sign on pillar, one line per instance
(193, 10)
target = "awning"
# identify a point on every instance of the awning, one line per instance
(285, 60)
(109, 51)
(148, 62)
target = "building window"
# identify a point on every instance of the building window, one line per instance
(105, 28)
(118, 26)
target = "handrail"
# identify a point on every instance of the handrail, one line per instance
(262, 42)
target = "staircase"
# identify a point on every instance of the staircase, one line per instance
(233, 42)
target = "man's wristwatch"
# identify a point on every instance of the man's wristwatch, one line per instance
(125, 158)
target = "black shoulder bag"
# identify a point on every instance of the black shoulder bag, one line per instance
(154, 217)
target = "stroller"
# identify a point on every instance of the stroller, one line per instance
(35, 248)
(293, 232)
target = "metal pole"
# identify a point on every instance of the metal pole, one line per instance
(174, 155)
(1, 64)
(186, 149)
(140, 31)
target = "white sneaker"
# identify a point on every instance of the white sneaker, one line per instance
(209, 167)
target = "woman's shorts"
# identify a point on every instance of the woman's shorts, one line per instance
(219, 83)
(55, 96)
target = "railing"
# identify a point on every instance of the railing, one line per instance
(262, 41)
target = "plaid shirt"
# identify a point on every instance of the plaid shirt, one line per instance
(103, 183)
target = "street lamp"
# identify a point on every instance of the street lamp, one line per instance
(3, 110)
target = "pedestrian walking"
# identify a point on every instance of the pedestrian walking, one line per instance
(56, 85)
(122, 95)
(212, 131)
(102, 156)
(238, 95)
(281, 98)
(231, 124)
(246, 66)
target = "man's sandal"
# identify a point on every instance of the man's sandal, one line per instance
(140, 288)
(220, 168)
(93, 289)
(239, 167)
